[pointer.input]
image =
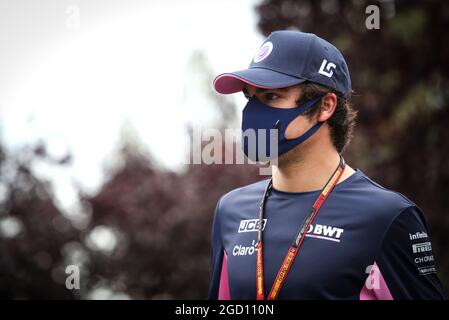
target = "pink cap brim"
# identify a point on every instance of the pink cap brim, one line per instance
(259, 77)
(227, 83)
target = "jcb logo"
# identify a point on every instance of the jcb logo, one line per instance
(251, 225)
(328, 66)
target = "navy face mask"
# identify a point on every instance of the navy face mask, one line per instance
(266, 140)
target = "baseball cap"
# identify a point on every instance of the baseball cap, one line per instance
(287, 58)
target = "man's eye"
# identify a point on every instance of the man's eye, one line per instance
(271, 96)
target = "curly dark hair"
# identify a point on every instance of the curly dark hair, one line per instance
(343, 120)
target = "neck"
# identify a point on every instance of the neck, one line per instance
(308, 172)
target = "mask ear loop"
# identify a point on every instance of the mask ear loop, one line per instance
(308, 105)
(303, 108)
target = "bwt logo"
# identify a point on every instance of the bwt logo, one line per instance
(324, 232)
(422, 247)
(251, 225)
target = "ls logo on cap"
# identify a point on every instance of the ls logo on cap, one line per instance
(264, 51)
(328, 66)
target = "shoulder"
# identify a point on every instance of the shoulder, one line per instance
(382, 193)
(377, 204)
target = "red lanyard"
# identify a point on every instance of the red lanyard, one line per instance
(293, 251)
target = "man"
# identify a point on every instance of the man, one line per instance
(317, 229)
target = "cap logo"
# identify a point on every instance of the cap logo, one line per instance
(328, 67)
(264, 51)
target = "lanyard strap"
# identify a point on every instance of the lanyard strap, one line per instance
(294, 248)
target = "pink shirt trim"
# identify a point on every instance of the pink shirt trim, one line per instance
(223, 289)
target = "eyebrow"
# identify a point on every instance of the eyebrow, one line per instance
(258, 90)
(273, 89)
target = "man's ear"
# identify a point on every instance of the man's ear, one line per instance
(328, 105)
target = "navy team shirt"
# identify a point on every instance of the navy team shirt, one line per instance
(366, 242)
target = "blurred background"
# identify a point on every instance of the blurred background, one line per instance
(97, 104)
